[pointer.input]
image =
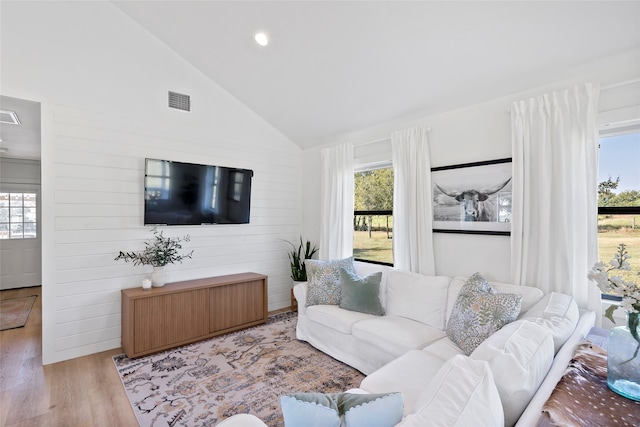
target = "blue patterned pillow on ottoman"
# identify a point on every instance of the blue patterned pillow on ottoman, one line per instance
(324, 280)
(342, 409)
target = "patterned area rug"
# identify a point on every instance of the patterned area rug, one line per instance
(15, 312)
(243, 372)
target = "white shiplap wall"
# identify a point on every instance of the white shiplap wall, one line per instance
(93, 183)
(102, 81)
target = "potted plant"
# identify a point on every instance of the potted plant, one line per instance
(158, 252)
(297, 257)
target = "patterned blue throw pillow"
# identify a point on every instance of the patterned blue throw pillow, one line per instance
(324, 280)
(342, 409)
(478, 312)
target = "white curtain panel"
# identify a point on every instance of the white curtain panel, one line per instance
(412, 204)
(554, 213)
(336, 204)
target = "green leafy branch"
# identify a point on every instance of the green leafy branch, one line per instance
(158, 252)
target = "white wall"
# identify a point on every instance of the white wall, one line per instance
(19, 172)
(476, 133)
(103, 81)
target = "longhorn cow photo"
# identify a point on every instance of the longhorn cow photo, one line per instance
(470, 204)
(473, 197)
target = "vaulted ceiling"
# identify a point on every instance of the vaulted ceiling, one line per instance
(335, 67)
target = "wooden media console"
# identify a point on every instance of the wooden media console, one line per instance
(184, 312)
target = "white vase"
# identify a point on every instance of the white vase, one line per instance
(158, 277)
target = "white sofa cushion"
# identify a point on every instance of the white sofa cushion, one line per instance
(335, 317)
(395, 334)
(557, 312)
(242, 420)
(462, 394)
(443, 348)
(408, 374)
(520, 355)
(530, 295)
(418, 297)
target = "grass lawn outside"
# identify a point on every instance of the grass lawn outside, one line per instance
(616, 229)
(377, 248)
(612, 230)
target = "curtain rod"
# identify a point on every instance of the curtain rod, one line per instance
(609, 86)
(372, 142)
(623, 83)
(380, 140)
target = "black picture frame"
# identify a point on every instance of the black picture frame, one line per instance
(473, 198)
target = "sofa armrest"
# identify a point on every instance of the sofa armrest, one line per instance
(531, 414)
(300, 292)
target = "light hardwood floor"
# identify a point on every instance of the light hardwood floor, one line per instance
(80, 392)
(83, 392)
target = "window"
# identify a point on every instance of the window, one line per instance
(619, 199)
(158, 179)
(18, 216)
(373, 216)
(238, 178)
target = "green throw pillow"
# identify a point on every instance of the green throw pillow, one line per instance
(324, 280)
(342, 409)
(361, 293)
(478, 312)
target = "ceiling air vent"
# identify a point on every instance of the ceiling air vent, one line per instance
(179, 101)
(9, 117)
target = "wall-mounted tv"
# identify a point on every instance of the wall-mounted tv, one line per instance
(178, 193)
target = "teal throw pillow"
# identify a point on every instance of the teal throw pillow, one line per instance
(361, 294)
(324, 280)
(478, 312)
(342, 409)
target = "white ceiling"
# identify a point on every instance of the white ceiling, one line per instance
(23, 140)
(335, 67)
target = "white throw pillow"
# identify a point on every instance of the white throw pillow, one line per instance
(557, 312)
(417, 297)
(461, 394)
(520, 355)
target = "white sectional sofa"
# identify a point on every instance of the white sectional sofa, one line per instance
(407, 347)
(504, 381)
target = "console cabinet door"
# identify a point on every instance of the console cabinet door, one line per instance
(165, 320)
(237, 304)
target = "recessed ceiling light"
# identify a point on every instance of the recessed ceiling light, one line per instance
(4, 150)
(262, 39)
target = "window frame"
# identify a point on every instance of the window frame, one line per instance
(371, 167)
(22, 206)
(615, 210)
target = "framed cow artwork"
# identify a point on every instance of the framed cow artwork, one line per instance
(473, 198)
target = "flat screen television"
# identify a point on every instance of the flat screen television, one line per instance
(178, 193)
